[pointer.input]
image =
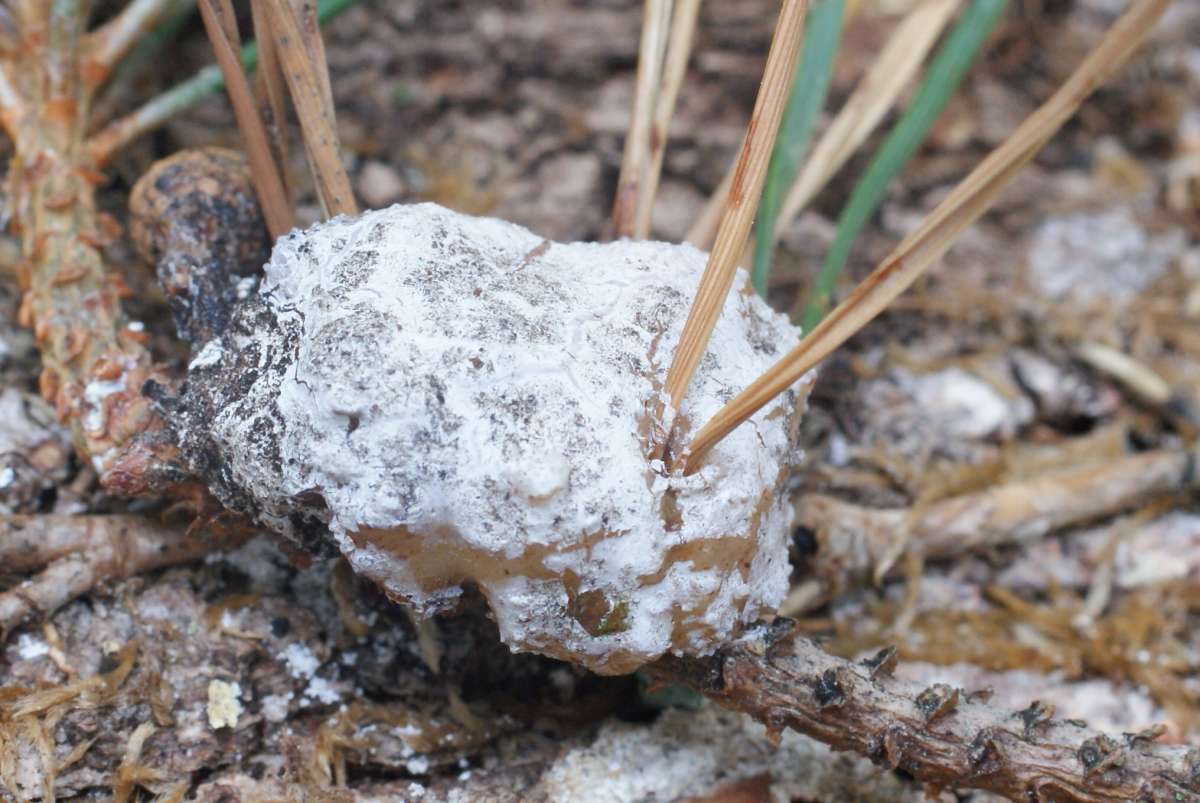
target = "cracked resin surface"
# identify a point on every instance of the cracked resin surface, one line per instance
(458, 401)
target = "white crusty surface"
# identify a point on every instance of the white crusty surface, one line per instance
(466, 381)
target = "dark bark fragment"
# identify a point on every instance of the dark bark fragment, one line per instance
(195, 216)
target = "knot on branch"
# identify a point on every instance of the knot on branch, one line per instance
(1037, 715)
(1100, 754)
(937, 701)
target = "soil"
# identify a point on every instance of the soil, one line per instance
(263, 675)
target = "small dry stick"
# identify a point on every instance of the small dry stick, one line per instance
(937, 233)
(80, 552)
(221, 25)
(1136, 377)
(1103, 581)
(940, 735)
(655, 22)
(878, 91)
(307, 77)
(683, 29)
(855, 541)
(744, 196)
(1144, 384)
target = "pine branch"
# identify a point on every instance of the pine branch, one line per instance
(107, 45)
(945, 737)
(83, 551)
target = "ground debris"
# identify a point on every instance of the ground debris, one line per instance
(518, 113)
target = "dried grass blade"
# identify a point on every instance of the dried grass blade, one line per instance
(875, 94)
(937, 233)
(1140, 379)
(655, 23)
(221, 26)
(305, 82)
(744, 195)
(679, 51)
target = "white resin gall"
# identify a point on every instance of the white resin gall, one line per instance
(462, 403)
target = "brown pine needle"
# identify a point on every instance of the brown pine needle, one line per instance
(310, 30)
(937, 233)
(744, 195)
(655, 23)
(878, 91)
(679, 51)
(308, 81)
(270, 89)
(221, 26)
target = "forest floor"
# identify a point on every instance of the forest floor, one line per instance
(258, 676)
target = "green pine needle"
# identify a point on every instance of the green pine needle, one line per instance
(945, 73)
(810, 85)
(209, 79)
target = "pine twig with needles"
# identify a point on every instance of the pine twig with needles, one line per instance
(94, 364)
